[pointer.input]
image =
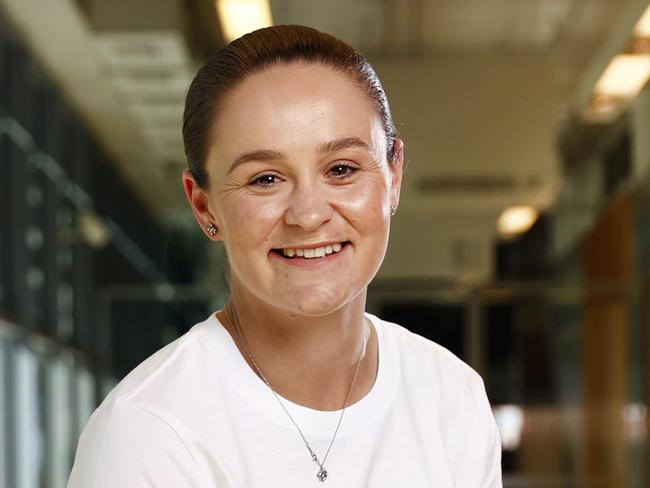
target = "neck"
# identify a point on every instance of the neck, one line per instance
(310, 360)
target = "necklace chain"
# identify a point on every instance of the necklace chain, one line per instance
(322, 472)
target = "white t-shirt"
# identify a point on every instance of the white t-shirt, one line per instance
(194, 414)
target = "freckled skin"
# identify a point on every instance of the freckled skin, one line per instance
(295, 108)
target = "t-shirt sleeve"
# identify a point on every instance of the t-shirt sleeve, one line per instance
(125, 445)
(485, 439)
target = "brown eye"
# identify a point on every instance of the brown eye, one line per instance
(264, 180)
(342, 170)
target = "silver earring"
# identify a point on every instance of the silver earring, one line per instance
(212, 230)
(393, 210)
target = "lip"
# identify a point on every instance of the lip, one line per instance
(312, 246)
(312, 262)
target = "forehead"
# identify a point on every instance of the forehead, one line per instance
(295, 106)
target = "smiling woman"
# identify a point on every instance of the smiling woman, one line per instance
(296, 168)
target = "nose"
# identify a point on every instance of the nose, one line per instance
(308, 208)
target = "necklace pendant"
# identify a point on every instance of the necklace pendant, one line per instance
(322, 474)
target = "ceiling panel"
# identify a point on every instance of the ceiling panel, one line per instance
(358, 23)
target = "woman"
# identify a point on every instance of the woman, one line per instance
(295, 166)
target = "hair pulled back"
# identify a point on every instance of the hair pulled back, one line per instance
(252, 53)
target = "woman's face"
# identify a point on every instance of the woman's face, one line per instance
(298, 161)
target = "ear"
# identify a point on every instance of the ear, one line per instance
(396, 168)
(200, 203)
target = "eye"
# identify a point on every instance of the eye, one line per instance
(265, 180)
(342, 170)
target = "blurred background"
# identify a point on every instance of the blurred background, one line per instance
(522, 240)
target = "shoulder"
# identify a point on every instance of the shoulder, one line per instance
(438, 380)
(163, 373)
(431, 360)
(123, 444)
(131, 434)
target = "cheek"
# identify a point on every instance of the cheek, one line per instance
(249, 221)
(368, 204)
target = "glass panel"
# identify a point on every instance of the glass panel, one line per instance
(85, 397)
(4, 398)
(29, 440)
(59, 421)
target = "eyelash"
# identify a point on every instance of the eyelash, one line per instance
(256, 181)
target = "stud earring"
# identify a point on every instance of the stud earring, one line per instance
(393, 210)
(212, 230)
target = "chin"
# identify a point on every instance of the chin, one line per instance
(315, 309)
(316, 304)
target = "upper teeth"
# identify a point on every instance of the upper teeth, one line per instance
(317, 252)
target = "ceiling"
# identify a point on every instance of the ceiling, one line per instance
(477, 88)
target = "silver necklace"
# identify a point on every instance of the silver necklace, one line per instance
(322, 472)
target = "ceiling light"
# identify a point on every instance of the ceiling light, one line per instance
(238, 17)
(625, 76)
(603, 110)
(516, 220)
(642, 28)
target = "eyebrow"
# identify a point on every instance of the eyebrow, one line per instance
(275, 155)
(344, 143)
(259, 155)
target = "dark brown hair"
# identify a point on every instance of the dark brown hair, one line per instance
(252, 53)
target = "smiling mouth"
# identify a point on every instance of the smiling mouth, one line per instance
(311, 254)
